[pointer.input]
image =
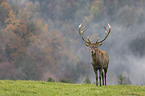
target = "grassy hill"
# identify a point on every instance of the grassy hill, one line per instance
(40, 88)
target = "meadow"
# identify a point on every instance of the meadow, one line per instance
(41, 88)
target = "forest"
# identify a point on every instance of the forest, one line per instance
(39, 39)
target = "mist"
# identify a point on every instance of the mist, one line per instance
(68, 57)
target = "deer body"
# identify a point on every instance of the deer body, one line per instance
(99, 59)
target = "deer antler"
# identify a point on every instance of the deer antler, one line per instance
(108, 29)
(81, 31)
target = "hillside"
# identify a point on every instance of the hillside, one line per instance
(40, 88)
(40, 39)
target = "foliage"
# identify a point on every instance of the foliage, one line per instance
(66, 81)
(4, 11)
(39, 38)
(87, 80)
(50, 79)
(123, 80)
(37, 88)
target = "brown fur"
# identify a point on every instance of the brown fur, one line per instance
(99, 59)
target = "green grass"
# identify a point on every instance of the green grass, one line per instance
(40, 88)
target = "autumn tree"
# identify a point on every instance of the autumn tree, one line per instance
(20, 34)
(2, 1)
(4, 11)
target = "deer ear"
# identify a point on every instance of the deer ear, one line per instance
(87, 44)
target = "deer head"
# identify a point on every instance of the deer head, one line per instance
(88, 43)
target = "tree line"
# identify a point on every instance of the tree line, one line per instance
(39, 38)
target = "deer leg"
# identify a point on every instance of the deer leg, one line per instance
(105, 71)
(100, 73)
(96, 73)
(103, 77)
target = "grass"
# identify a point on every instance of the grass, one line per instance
(41, 88)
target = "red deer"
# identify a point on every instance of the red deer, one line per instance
(99, 58)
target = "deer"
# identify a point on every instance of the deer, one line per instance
(99, 58)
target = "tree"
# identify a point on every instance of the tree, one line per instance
(2, 1)
(123, 80)
(87, 80)
(50, 79)
(96, 9)
(4, 11)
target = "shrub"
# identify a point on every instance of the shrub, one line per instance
(123, 80)
(51, 79)
(87, 81)
(67, 81)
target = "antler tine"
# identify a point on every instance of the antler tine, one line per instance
(88, 38)
(108, 29)
(81, 31)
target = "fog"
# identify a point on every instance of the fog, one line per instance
(123, 45)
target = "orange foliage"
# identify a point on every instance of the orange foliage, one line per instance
(4, 10)
(2, 1)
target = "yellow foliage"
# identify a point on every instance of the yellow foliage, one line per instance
(5, 5)
(39, 24)
(95, 8)
(45, 28)
(11, 21)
